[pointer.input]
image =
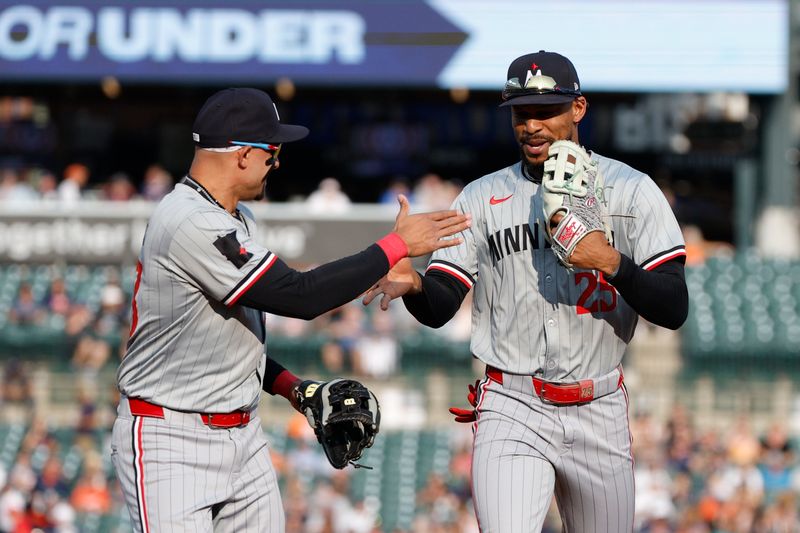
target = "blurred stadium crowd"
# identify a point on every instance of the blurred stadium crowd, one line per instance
(57, 476)
(688, 480)
(21, 184)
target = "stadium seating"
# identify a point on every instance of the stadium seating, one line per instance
(743, 310)
(84, 284)
(401, 463)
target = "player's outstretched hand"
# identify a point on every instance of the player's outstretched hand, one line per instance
(426, 232)
(402, 279)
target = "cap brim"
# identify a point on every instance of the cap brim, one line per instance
(539, 99)
(287, 133)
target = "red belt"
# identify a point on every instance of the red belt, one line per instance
(556, 393)
(215, 420)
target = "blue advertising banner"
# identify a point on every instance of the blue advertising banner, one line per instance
(346, 42)
(616, 45)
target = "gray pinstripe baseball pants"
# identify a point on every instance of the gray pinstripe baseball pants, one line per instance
(526, 449)
(177, 474)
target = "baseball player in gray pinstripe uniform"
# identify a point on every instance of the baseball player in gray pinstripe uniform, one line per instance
(551, 415)
(187, 445)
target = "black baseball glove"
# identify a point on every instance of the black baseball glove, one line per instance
(345, 416)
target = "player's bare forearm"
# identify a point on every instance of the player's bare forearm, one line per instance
(595, 253)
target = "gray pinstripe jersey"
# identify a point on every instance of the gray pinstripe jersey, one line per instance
(530, 315)
(193, 348)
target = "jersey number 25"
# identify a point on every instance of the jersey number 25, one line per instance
(597, 289)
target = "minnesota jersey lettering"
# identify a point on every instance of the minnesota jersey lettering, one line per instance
(506, 242)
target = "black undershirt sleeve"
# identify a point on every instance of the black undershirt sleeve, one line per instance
(659, 296)
(287, 292)
(271, 372)
(439, 300)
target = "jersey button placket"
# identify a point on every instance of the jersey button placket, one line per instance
(551, 362)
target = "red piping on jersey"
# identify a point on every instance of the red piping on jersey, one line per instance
(252, 281)
(142, 500)
(482, 388)
(666, 258)
(630, 434)
(452, 272)
(134, 307)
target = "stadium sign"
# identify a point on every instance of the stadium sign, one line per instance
(167, 34)
(617, 45)
(328, 42)
(99, 232)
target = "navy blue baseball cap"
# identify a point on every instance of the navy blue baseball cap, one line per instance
(541, 78)
(244, 115)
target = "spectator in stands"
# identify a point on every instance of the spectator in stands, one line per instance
(46, 185)
(91, 494)
(430, 190)
(76, 177)
(96, 342)
(306, 462)
(398, 185)
(91, 353)
(331, 509)
(17, 387)
(356, 517)
(698, 249)
(653, 488)
(295, 504)
(346, 326)
(156, 183)
(437, 502)
(119, 188)
(12, 507)
(87, 425)
(780, 517)
(376, 353)
(298, 429)
(328, 198)
(14, 188)
(62, 516)
(57, 300)
(111, 316)
(776, 462)
(50, 481)
(26, 310)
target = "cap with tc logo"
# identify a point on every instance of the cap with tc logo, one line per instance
(242, 114)
(541, 78)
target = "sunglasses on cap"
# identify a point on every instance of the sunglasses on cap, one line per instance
(534, 85)
(273, 150)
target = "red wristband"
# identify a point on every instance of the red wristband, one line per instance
(283, 384)
(394, 247)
